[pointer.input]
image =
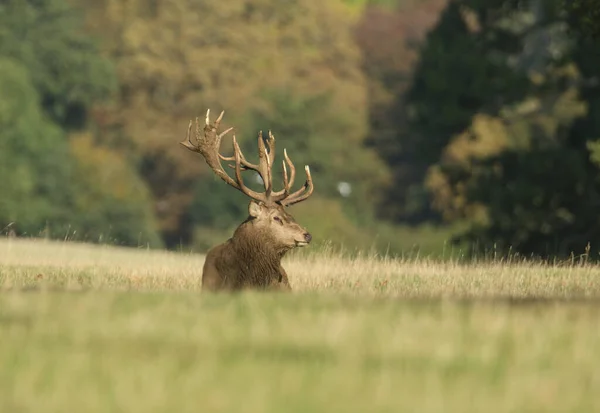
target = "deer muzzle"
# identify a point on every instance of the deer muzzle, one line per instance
(306, 241)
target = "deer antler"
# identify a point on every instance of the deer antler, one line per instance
(208, 143)
(284, 197)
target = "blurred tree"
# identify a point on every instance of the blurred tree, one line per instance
(65, 67)
(316, 133)
(50, 75)
(583, 16)
(33, 156)
(388, 38)
(358, 7)
(229, 55)
(464, 68)
(541, 120)
(112, 203)
(525, 172)
(517, 177)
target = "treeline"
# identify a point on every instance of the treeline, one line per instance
(478, 114)
(502, 123)
(56, 177)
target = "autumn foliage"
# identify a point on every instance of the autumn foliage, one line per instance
(474, 113)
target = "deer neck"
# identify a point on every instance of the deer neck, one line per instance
(255, 249)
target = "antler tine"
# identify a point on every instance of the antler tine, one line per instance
(208, 143)
(298, 196)
(218, 121)
(188, 142)
(269, 182)
(237, 153)
(286, 187)
(292, 168)
(287, 183)
(271, 143)
(188, 138)
(264, 164)
(238, 172)
(266, 155)
(245, 165)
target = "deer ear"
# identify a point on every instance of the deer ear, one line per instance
(254, 209)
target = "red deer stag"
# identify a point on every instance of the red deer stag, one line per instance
(251, 258)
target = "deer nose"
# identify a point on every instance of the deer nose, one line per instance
(307, 237)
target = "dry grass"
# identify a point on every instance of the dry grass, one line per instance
(28, 263)
(98, 329)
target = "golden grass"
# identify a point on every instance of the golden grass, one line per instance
(29, 263)
(96, 329)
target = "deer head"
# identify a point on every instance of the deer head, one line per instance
(267, 215)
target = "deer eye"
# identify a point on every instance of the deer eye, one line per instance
(276, 218)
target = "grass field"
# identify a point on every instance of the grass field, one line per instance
(100, 329)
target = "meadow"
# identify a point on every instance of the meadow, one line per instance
(97, 328)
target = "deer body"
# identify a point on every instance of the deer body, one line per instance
(225, 270)
(251, 258)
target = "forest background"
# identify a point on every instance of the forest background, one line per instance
(428, 124)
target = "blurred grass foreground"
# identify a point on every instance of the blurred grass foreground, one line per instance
(447, 140)
(100, 328)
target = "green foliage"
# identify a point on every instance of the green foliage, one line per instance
(513, 144)
(537, 122)
(543, 202)
(316, 133)
(495, 120)
(469, 64)
(33, 155)
(583, 16)
(111, 203)
(464, 69)
(358, 6)
(64, 65)
(387, 39)
(594, 148)
(328, 224)
(542, 198)
(216, 210)
(50, 75)
(217, 205)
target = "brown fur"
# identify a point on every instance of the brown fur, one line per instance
(251, 258)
